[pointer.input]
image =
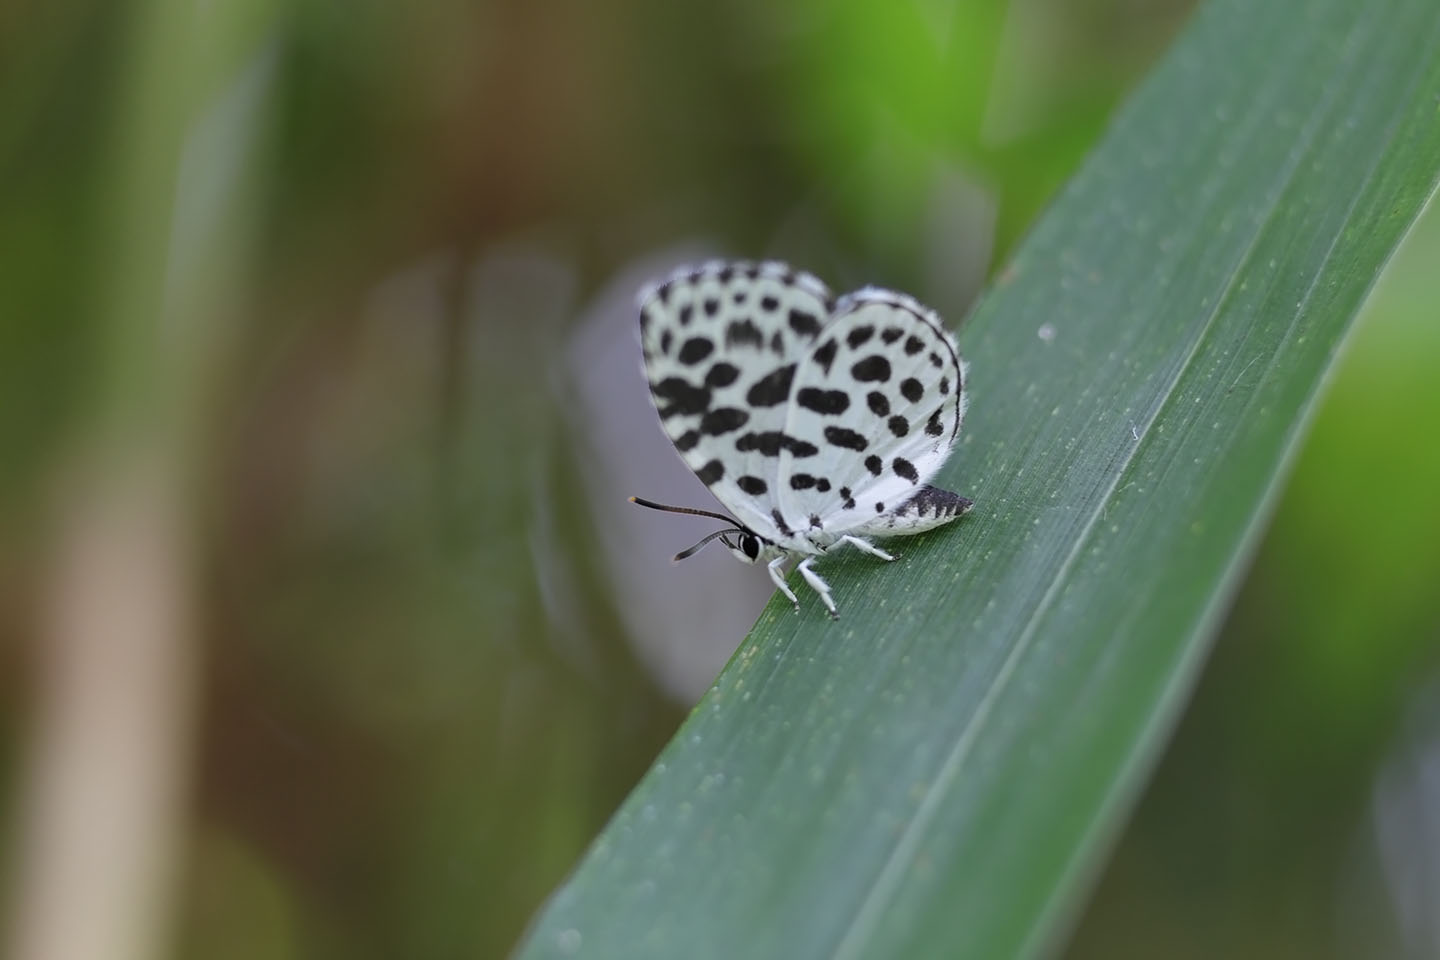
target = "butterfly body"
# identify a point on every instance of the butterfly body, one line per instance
(817, 421)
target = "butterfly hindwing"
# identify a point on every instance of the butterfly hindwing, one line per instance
(882, 394)
(723, 344)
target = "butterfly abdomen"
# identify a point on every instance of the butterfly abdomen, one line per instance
(930, 507)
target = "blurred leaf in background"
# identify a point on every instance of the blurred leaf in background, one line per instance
(417, 693)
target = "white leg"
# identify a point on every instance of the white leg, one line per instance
(818, 585)
(779, 578)
(866, 546)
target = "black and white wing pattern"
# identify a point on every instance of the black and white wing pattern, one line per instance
(813, 420)
(723, 344)
(816, 422)
(882, 393)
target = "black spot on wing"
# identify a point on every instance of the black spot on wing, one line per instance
(914, 345)
(935, 361)
(899, 425)
(777, 344)
(800, 448)
(685, 313)
(874, 464)
(844, 437)
(743, 332)
(933, 426)
(912, 389)
(879, 506)
(892, 334)
(815, 523)
(904, 468)
(752, 485)
(712, 306)
(874, 367)
(721, 375)
(771, 442)
(879, 403)
(859, 336)
(804, 481)
(667, 338)
(773, 388)
(780, 523)
(723, 420)
(694, 350)
(849, 499)
(944, 385)
(687, 440)
(727, 274)
(675, 395)
(805, 324)
(740, 296)
(829, 402)
(825, 355)
(769, 303)
(711, 472)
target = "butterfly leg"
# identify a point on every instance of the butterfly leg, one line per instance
(818, 585)
(865, 546)
(779, 579)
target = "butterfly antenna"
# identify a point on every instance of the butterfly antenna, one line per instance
(696, 549)
(690, 510)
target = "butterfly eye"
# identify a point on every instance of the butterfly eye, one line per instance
(750, 546)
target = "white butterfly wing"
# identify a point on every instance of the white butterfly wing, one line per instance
(723, 344)
(882, 393)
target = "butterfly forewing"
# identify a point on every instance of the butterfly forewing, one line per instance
(723, 345)
(882, 394)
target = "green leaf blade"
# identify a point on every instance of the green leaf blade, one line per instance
(938, 773)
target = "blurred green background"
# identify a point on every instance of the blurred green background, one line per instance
(294, 299)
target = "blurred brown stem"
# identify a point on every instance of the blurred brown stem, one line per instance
(105, 775)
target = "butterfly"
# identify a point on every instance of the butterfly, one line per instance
(816, 421)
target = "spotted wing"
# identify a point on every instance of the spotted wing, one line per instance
(721, 344)
(882, 393)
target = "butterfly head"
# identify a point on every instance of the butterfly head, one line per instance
(748, 546)
(745, 544)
